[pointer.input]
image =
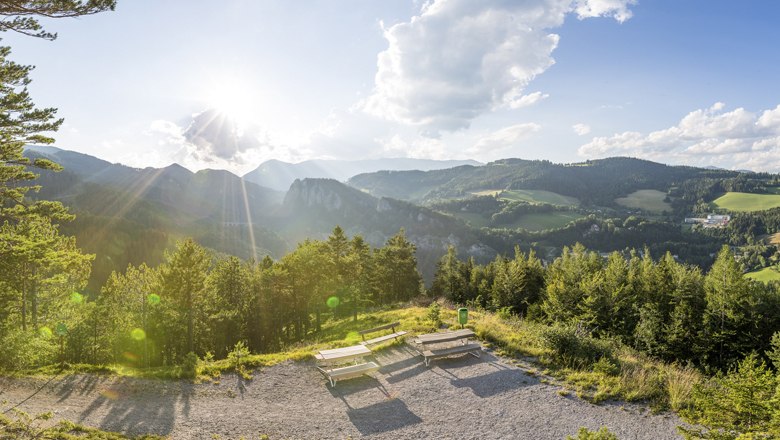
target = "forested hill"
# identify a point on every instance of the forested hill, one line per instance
(594, 182)
(313, 206)
(127, 215)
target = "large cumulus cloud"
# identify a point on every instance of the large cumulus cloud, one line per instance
(460, 58)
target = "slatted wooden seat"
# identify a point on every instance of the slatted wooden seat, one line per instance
(377, 340)
(336, 374)
(472, 349)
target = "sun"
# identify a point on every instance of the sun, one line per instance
(233, 99)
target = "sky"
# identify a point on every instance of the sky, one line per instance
(233, 83)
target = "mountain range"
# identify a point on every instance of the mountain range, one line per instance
(280, 175)
(127, 215)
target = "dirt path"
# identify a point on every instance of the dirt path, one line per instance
(463, 398)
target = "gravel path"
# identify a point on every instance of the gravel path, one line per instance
(457, 398)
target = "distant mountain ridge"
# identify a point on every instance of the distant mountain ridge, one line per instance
(280, 175)
(595, 182)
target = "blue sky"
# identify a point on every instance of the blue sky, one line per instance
(233, 83)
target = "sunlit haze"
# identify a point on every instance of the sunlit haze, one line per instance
(234, 83)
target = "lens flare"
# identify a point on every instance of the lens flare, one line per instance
(46, 332)
(333, 302)
(132, 357)
(138, 334)
(153, 299)
(110, 394)
(76, 298)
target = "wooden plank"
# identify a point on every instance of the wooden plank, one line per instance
(342, 354)
(436, 338)
(444, 352)
(381, 327)
(336, 374)
(383, 338)
(352, 370)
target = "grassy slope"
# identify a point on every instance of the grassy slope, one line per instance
(765, 275)
(647, 199)
(736, 201)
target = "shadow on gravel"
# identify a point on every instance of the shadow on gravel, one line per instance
(357, 385)
(85, 384)
(384, 416)
(491, 384)
(126, 410)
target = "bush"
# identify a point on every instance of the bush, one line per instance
(606, 366)
(27, 349)
(586, 434)
(574, 348)
(189, 368)
(434, 315)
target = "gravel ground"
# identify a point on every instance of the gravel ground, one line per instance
(456, 398)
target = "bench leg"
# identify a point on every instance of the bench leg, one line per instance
(475, 354)
(332, 382)
(427, 361)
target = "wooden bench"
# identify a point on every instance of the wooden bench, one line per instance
(336, 374)
(472, 349)
(394, 334)
(457, 343)
(329, 360)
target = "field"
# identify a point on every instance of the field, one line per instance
(766, 274)
(646, 199)
(737, 201)
(538, 196)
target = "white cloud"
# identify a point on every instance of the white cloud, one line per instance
(712, 136)
(504, 138)
(458, 59)
(528, 100)
(581, 129)
(617, 9)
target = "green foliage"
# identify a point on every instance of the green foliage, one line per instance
(434, 315)
(189, 366)
(24, 349)
(24, 426)
(774, 353)
(238, 355)
(573, 347)
(585, 434)
(741, 404)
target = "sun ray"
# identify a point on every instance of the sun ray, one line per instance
(249, 221)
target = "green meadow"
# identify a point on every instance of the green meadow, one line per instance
(746, 202)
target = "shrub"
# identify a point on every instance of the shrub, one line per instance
(741, 404)
(189, 367)
(434, 315)
(606, 366)
(574, 348)
(586, 434)
(27, 349)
